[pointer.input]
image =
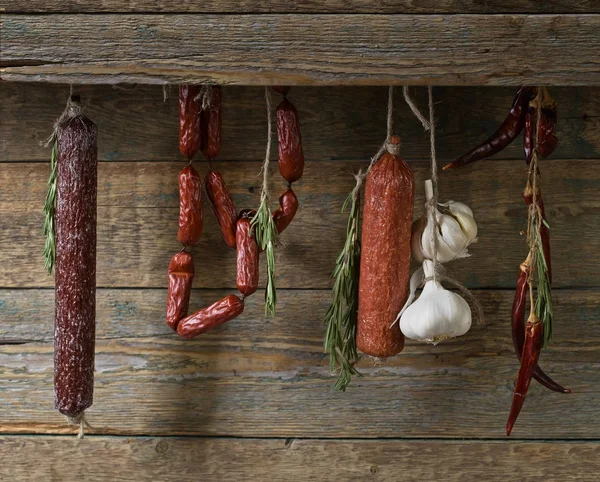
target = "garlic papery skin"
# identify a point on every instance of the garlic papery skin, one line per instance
(457, 230)
(438, 314)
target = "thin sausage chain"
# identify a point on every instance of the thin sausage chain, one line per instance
(200, 129)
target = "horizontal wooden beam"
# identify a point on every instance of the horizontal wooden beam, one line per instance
(100, 459)
(300, 6)
(138, 212)
(303, 49)
(135, 123)
(257, 377)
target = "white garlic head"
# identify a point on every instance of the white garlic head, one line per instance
(457, 230)
(437, 314)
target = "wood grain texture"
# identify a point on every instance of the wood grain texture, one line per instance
(269, 377)
(138, 213)
(303, 49)
(336, 122)
(64, 459)
(300, 6)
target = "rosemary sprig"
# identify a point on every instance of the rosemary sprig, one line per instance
(267, 238)
(49, 210)
(543, 300)
(341, 316)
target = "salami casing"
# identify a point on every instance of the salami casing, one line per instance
(291, 157)
(222, 205)
(214, 315)
(385, 255)
(247, 258)
(181, 275)
(190, 206)
(288, 205)
(210, 126)
(189, 120)
(75, 324)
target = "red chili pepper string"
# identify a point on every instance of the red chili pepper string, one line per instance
(518, 328)
(506, 133)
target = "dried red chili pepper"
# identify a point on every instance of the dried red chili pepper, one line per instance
(210, 126)
(534, 336)
(288, 205)
(547, 140)
(518, 328)
(506, 133)
(189, 120)
(546, 132)
(291, 157)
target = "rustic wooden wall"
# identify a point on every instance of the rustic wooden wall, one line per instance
(253, 399)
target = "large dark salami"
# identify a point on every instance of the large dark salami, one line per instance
(385, 255)
(75, 324)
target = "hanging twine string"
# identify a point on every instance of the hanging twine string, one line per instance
(414, 109)
(386, 146)
(432, 203)
(439, 272)
(205, 97)
(72, 109)
(265, 167)
(82, 422)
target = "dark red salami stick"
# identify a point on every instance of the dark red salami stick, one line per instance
(75, 324)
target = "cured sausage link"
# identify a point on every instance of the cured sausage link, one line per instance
(190, 206)
(181, 275)
(385, 255)
(75, 324)
(189, 120)
(291, 157)
(222, 205)
(210, 126)
(214, 315)
(247, 258)
(288, 205)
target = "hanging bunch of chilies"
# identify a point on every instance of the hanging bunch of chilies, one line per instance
(534, 112)
(200, 129)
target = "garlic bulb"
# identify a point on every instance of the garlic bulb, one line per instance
(457, 230)
(438, 314)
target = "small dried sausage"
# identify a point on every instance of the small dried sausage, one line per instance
(190, 206)
(281, 89)
(189, 120)
(291, 157)
(247, 258)
(216, 314)
(210, 126)
(181, 275)
(288, 205)
(222, 205)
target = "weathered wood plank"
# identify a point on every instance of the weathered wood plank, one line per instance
(337, 123)
(65, 459)
(138, 212)
(269, 377)
(300, 6)
(303, 49)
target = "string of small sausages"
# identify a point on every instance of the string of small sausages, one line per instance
(200, 130)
